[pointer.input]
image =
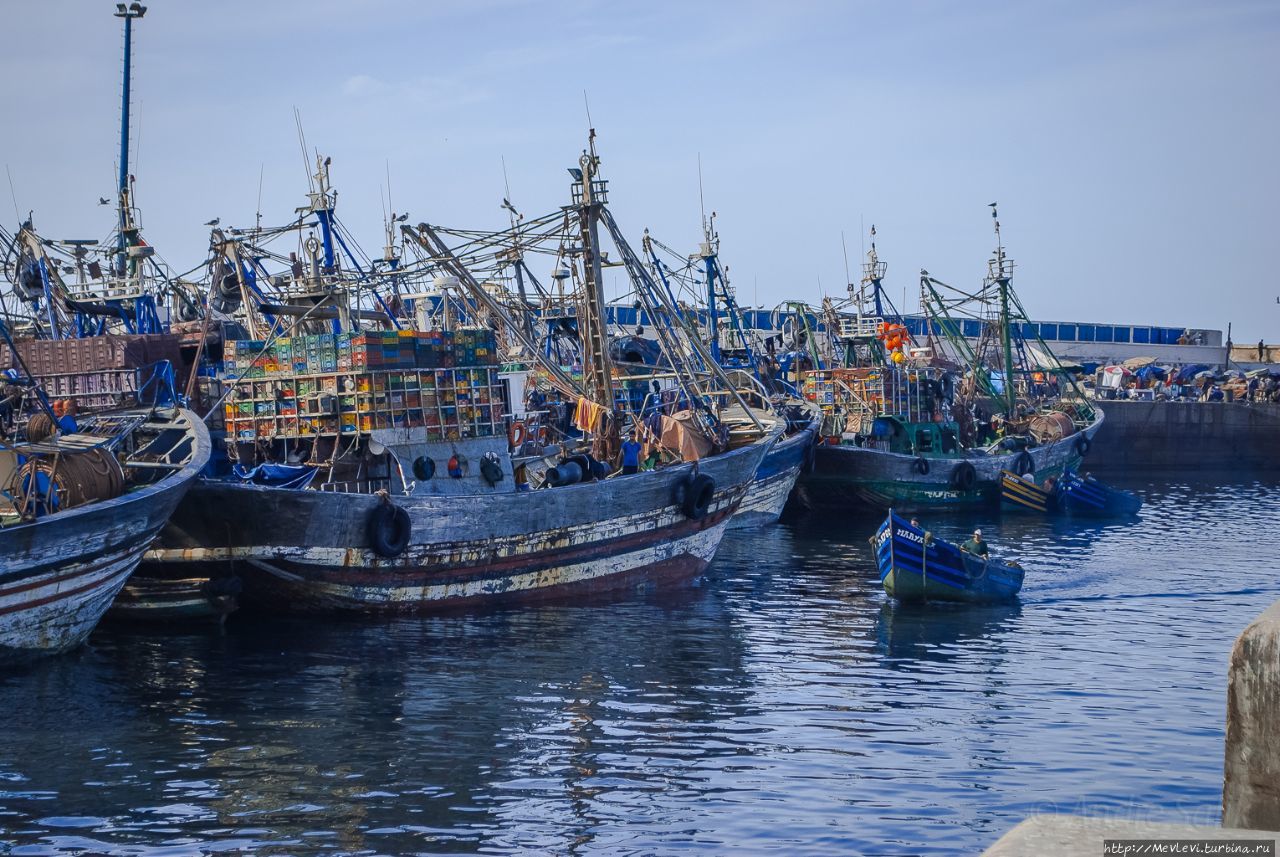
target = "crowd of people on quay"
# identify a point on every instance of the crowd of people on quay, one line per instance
(1141, 378)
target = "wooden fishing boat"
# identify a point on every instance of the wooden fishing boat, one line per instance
(1022, 492)
(928, 418)
(915, 566)
(76, 515)
(1071, 492)
(1087, 495)
(159, 598)
(410, 495)
(460, 544)
(774, 481)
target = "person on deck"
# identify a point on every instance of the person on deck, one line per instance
(976, 546)
(631, 455)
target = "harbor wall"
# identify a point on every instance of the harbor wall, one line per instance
(1251, 771)
(1177, 436)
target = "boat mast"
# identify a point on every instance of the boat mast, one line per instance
(128, 13)
(1000, 272)
(589, 197)
(709, 249)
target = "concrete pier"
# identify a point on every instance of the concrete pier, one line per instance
(1251, 773)
(1250, 777)
(1186, 436)
(1078, 836)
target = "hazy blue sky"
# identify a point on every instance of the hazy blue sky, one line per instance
(1132, 146)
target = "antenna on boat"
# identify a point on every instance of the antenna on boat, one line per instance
(302, 144)
(257, 220)
(14, 195)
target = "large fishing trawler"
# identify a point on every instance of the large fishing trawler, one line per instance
(376, 470)
(926, 424)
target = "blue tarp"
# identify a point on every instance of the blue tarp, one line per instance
(1186, 373)
(276, 475)
(1146, 373)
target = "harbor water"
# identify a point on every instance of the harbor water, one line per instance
(783, 704)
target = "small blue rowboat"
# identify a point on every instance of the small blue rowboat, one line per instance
(1086, 494)
(915, 566)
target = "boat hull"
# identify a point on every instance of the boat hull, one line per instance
(147, 599)
(849, 475)
(914, 567)
(774, 482)
(61, 573)
(308, 551)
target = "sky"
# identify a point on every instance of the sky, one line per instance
(1132, 146)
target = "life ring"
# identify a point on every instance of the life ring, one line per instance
(1024, 464)
(921, 466)
(1083, 444)
(424, 468)
(963, 476)
(698, 495)
(517, 434)
(389, 529)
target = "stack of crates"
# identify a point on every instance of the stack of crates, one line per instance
(474, 347)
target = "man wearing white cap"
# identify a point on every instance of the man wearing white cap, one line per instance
(976, 546)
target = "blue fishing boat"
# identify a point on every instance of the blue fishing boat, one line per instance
(1070, 493)
(1086, 494)
(916, 566)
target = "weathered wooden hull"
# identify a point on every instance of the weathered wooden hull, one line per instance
(148, 599)
(309, 551)
(774, 481)
(60, 573)
(850, 475)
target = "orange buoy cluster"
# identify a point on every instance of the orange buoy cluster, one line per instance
(895, 338)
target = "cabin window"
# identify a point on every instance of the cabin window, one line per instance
(924, 440)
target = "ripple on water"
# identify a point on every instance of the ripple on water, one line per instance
(784, 705)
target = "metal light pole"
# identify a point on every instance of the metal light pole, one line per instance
(133, 10)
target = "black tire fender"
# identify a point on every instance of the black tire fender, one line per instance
(963, 476)
(389, 530)
(1083, 445)
(921, 466)
(698, 496)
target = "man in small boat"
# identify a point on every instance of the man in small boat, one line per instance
(976, 546)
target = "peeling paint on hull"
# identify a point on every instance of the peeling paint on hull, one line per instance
(774, 482)
(60, 573)
(309, 551)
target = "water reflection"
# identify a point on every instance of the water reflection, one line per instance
(785, 703)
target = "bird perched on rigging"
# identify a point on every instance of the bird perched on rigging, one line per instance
(214, 222)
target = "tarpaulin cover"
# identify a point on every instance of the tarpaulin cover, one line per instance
(1186, 373)
(678, 435)
(276, 475)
